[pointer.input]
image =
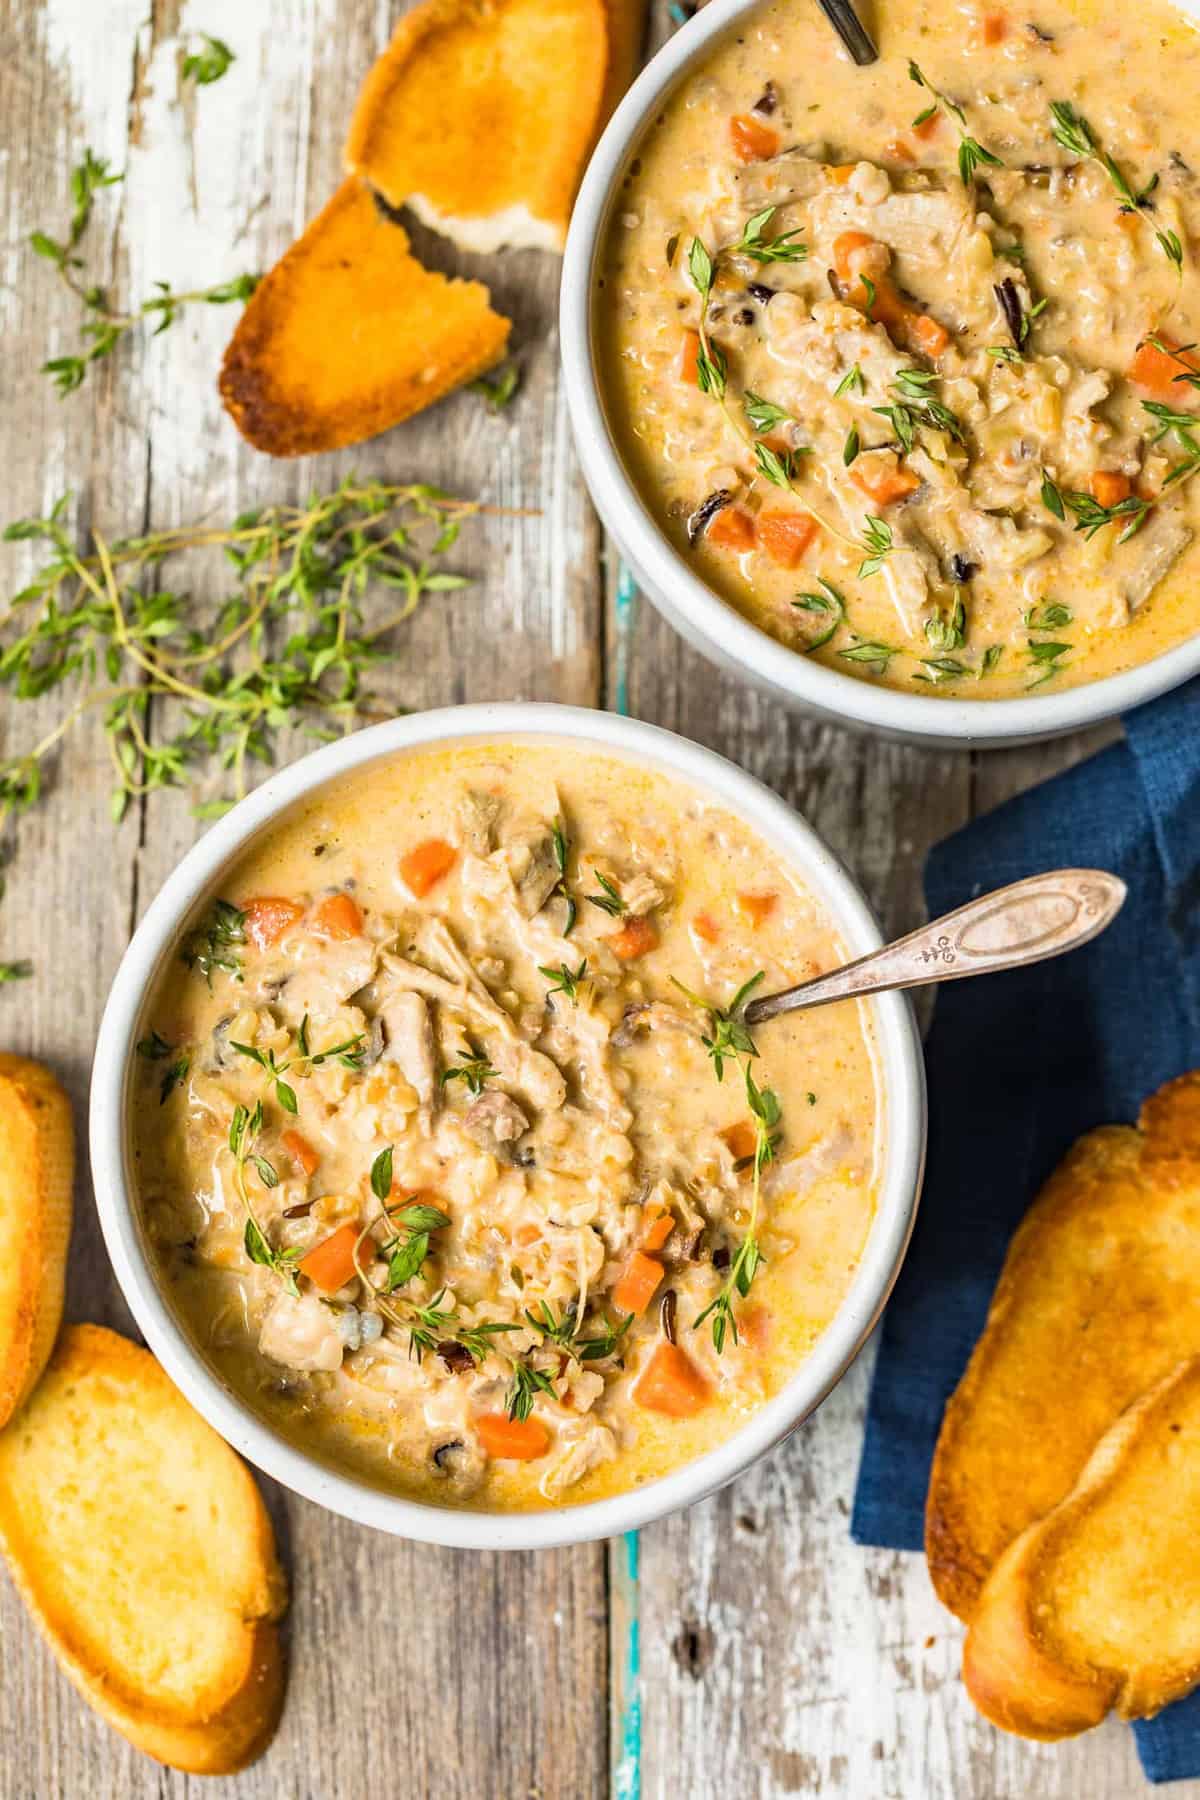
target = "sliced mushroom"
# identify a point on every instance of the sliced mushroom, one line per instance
(533, 865)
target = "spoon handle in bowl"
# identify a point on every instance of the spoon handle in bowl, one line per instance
(850, 29)
(1006, 929)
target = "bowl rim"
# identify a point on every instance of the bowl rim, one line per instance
(902, 1084)
(689, 602)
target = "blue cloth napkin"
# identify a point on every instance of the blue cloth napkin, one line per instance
(1019, 1066)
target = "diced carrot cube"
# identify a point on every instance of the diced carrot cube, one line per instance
(993, 28)
(657, 1232)
(512, 1440)
(329, 1265)
(928, 126)
(688, 367)
(1110, 488)
(671, 1383)
(1155, 371)
(732, 529)
(301, 1151)
(638, 1280)
(846, 248)
(752, 141)
(883, 480)
(785, 536)
(706, 928)
(840, 173)
(338, 916)
(754, 1326)
(739, 1139)
(927, 335)
(635, 938)
(899, 151)
(755, 908)
(268, 917)
(426, 864)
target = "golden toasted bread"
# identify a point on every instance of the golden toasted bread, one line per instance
(626, 35)
(349, 334)
(480, 114)
(143, 1549)
(1098, 1604)
(1098, 1299)
(37, 1166)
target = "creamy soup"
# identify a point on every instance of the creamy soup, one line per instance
(902, 358)
(458, 1159)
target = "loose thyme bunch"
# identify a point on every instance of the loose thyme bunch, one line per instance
(314, 593)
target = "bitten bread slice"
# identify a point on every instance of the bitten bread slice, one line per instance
(145, 1553)
(480, 115)
(37, 1167)
(349, 334)
(1099, 1298)
(1098, 1605)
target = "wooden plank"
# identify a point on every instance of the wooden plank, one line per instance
(775, 1656)
(219, 181)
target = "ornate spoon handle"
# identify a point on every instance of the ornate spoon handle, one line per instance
(1006, 929)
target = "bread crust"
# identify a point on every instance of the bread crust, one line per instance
(37, 1171)
(1022, 1667)
(229, 1719)
(349, 334)
(1098, 1299)
(485, 110)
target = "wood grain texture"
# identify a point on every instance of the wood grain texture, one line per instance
(746, 1647)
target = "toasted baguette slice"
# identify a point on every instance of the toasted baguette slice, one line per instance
(143, 1549)
(349, 334)
(626, 35)
(1099, 1297)
(1098, 1605)
(480, 114)
(37, 1169)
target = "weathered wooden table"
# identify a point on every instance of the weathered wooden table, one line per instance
(745, 1647)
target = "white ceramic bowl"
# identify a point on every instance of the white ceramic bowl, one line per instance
(156, 938)
(695, 609)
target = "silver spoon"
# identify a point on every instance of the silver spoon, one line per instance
(1006, 929)
(851, 30)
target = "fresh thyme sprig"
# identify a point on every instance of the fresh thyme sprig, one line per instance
(210, 62)
(1072, 133)
(828, 602)
(608, 899)
(526, 1384)
(971, 153)
(852, 382)
(763, 415)
(301, 1063)
(728, 1039)
(728, 1035)
(871, 654)
(878, 544)
(915, 405)
(562, 862)
(712, 377)
(472, 1069)
(215, 942)
(781, 249)
(765, 1115)
(109, 631)
(564, 981)
(497, 392)
(1090, 516)
(103, 325)
(244, 1129)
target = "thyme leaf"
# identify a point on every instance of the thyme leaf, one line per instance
(1072, 133)
(209, 63)
(828, 602)
(877, 542)
(472, 1069)
(971, 153)
(565, 981)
